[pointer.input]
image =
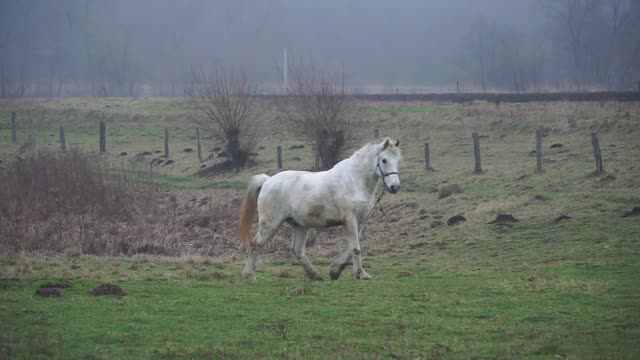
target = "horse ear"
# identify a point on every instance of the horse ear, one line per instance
(386, 143)
(397, 142)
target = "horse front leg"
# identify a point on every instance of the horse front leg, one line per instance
(352, 253)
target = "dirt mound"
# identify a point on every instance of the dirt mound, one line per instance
(456, 219)
(607, 178)
(634, 212)
(108, 289)
(48, 292)
(215, 169)
(449, 190)
(504, 219)
(561, 218)
(556, 146)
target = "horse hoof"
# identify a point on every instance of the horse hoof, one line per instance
(362, 275)
(335, 275)
(249, 276)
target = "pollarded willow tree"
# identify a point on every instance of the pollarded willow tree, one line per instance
(319, 110)
(226, 103)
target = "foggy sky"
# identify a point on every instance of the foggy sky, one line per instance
(374, 42)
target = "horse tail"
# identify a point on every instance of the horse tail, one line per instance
(248, 208)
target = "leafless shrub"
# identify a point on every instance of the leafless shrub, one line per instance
(318, 109)
(226, 101)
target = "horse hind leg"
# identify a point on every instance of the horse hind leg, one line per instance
(341, 263)
(299, 242)
(266, 231)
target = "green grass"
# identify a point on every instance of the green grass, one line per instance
(395, 110)
(175, 182)
(534, 289)
(448, 305)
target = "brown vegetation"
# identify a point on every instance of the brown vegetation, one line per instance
(52, 203)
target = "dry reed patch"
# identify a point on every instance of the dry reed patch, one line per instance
(73, 202)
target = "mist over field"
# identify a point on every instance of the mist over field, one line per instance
(149, 47)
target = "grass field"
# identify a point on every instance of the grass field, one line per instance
(536, 288)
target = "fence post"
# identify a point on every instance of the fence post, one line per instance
(596, 153)
(376, 133)
(103, 138)
(63, 144)
(476, 152)
(457, 87)
(427, 158)
(199, 145)
(13, 127)
(166, 143)
(279, 151)
(539, 150)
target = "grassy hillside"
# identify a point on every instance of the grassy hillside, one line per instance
(536, 288)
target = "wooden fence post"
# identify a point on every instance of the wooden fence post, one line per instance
(476, 153)
(103, 137)
(166, 143)
(63, 144)
(539, 150)
(427, 158)
(376, 134)
(279, 152)
(199, 145)
(14, 139)
(596, 153)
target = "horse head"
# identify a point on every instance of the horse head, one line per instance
(387, 163)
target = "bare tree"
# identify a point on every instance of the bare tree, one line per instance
(318, 109)
(226, 99)
(574, 17)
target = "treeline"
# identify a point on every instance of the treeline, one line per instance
(149, 47)
(582, 45)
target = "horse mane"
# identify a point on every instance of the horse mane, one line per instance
(373, 147)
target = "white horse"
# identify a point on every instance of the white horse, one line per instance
(341, 196)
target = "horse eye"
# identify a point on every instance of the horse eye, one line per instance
(384, 161)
